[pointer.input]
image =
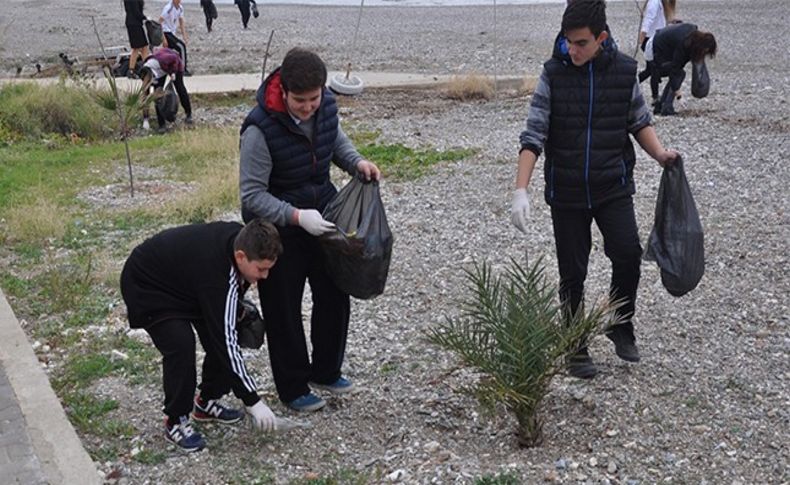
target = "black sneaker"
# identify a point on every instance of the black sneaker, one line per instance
(213, 411)
(580, 365)
(627, 351)
(182, 435)
(188, 120)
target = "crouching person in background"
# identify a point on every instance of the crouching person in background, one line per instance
(193, 277)
(164, 62)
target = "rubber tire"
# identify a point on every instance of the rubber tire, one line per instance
(346, 86)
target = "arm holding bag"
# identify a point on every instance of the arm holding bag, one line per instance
(358, 253)
(676, 241)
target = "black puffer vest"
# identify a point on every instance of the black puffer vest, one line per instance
(589, 155)
(300, 166)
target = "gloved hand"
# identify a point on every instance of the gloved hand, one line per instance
(262, 417)
(519, 211)
(311, 221)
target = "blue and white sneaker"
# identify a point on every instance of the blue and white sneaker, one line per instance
(340, 386)
(213, 411)
(307, 403)
(182, 435)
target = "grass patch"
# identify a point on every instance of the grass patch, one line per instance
(470, 86)
(36, 221)
(33, 111)
(507, 478)
(82, 369)
(84, 410)
(13, 285)
(399, 162)
(150, 457)
(66, 286)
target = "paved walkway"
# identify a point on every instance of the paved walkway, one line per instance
(222, 83)
(37, 442)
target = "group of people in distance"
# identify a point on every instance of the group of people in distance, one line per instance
(585, 109)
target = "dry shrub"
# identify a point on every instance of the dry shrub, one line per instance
(470, 86)
(216, 191)
(37, 221)
(528, 84)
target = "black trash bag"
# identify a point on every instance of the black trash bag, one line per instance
(676, 240)
(250, 326)
(153, 30)
(700, 79)
(358, 253)
(254, 8)
(167, 103)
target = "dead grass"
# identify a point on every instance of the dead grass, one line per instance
(470, 86)
(36, 221)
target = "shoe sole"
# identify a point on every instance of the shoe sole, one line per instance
(307, 409)
(212, 419)
(182, 448)
(333, 390)
(629, 358)
(587, 374)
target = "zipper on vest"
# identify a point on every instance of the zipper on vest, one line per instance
(589, 137)
(551, 182)
(625, 172)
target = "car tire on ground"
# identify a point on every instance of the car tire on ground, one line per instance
(348, 86)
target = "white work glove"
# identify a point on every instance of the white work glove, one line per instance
(519, 211)
(262, 417)
(312, 222)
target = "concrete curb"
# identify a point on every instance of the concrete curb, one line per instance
(57, 446)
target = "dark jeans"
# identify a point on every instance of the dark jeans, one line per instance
(617, 223)
(648, 73)
(281, 299)
(177, 45)
(209, 19)
(176, 342)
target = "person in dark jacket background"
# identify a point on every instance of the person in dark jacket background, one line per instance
(244, 9)
(138, 40)
(210, 12)
(672, 48)
(288, 142)
(193, 277)
(586, 104)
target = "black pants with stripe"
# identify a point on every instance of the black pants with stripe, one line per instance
(281, 300)
(617, 222)
(175, 340)
(177, 45)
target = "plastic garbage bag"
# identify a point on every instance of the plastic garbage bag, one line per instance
(676, 240)
(153, 31)
(358, 253)
(167, 104)
(250, 326)
(700, 80)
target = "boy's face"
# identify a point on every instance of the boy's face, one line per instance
(583, 45)
(303, 105)
(254, 270)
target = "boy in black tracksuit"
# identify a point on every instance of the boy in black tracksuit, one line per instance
(194, 276)
(585, 106)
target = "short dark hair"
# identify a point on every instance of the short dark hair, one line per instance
(259, 240)
(301, 71)
(700, 44)
(585, 13)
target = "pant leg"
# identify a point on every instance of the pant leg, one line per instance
(160, 118)
(244, 8)
(676, 78)
(329, 321)
(617, 223)
(573, 242)
(183, 95)
(215, 379)
(176, 342)
(178, 45)
(281, 302)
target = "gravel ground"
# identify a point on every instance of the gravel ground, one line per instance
(709, 401)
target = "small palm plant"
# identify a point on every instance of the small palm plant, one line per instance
(512, 330)
(127, 106)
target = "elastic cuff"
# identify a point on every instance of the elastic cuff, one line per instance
(293, 218)
(250, 399)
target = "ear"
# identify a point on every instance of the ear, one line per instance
(239, 256)
(602, 37)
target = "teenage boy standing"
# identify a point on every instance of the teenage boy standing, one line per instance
(287, 144)
(585, 106)
(193, 277)
(172, 19)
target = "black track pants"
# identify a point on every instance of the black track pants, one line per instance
(281, 300)
(617, 222)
